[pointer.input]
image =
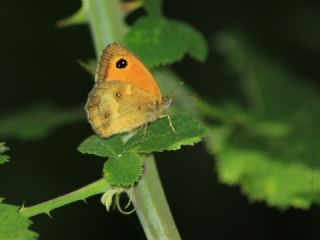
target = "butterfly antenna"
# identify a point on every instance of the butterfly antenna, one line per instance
(180, 83)
(193, 97)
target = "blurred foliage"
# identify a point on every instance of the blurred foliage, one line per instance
(3, 158)
(79, 17)
(90, 65)
(274, 153)
(153, 7)
(37, 121)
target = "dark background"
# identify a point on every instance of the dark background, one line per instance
(38, 64)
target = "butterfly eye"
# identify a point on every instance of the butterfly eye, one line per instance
(121, 63)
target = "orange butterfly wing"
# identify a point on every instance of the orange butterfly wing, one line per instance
(119, 64)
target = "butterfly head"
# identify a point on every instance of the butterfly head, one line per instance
(166, 102)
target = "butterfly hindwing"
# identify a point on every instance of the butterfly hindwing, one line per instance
(115, 107)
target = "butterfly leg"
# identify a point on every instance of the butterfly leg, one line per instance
(170, 123)
(144, 131)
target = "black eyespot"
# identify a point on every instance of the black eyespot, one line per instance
(118, 94)
(121, 63)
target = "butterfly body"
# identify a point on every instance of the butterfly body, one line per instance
(125, 95)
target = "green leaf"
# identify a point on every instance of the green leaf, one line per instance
(155, 42)
(160, 135)
(90, 65)
(123, 170)
(98, 146)
(124, 166)
(196, 44)
(269, 179)
(153, 7)
(35, 122)
(160, 41)
(14, 226)
(3, 148)
(79, 17)
(273, 155)
(3, 158)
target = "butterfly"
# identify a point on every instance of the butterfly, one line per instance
(125, 95)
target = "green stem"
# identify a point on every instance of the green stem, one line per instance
(106, 22)
(107, 25)
(151, 205)
(94, 188)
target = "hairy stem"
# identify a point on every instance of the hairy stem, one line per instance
(151, 205)
(107, 25)
(106, 22)
(94, 188)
